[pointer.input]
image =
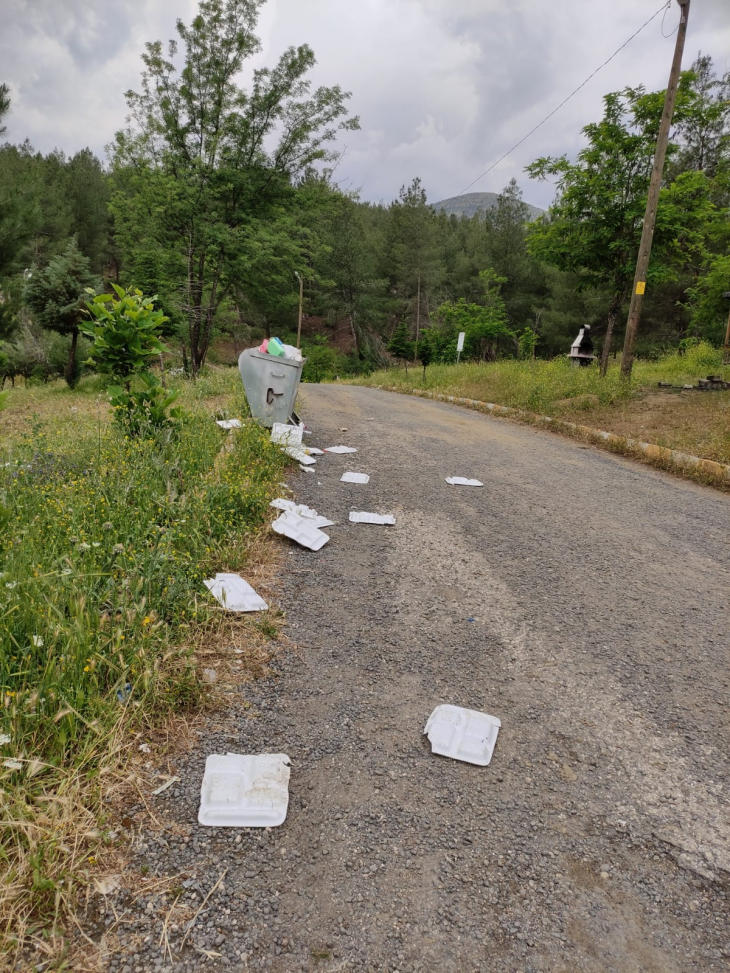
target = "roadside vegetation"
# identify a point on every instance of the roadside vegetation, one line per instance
(692, 421)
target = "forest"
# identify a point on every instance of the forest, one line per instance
(213, 198)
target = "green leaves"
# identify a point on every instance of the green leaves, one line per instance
(125, 332)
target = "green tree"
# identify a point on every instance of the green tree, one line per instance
(710, 307)
(125, 332)
(205, 162)
(400, 345)
(4, 106)
(594, 226)
(57, 296)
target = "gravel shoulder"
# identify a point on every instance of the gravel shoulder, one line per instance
(581, 599)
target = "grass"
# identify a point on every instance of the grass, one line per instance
(104, 544)
(695, 422)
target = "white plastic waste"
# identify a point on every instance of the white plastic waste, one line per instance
(354, 478)
(228, 423)
(299, 453)
(301, 530)
(340, 449)
(291, 352)
(361, 517)
(235, 594)
(313, 451)
(462, 734)
(286, 435)
(245, 791)
(462, 481)
(306, 469)
(301, 510)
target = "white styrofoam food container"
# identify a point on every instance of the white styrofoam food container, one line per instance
(235, 594)
(302, 510)
(286, 435)
(245, 791)
(301, 530)
(340, 449)
(228, 423)
(462, 734)
(355, 478)
(362, 517)
(462, 481)
(300, 454)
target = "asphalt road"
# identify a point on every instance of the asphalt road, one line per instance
(580, 598)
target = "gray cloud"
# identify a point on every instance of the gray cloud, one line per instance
(443, 87)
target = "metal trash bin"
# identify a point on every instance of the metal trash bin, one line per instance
(270, 383)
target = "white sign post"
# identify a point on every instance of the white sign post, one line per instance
(460, 345)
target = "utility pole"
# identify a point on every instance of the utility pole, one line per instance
(418, 318)
(301, 298)
(726, 349)
(647, 233)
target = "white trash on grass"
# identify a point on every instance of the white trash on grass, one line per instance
(235, 594)
(245, 791)
(462, 734)
(299, 453)
(463, 481)
(300, 529)
(302, 510)
(340, 449)
(306, 469)
(228, 423)
(286, 435)
(354, 478)
(362, 517)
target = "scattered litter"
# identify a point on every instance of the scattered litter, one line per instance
(313, 451)
(107, 884)
(235, 594)
(36, 641)
(13, 764)
(343, 430)
(144, 748)
(210, 676)
(228, 423)
(163, 787)
(340, 449)
(462, 734)
(123, 694)
(354, 478)
(302, 510)
(301, 530)
(300, 454)
(286, 435)
(306, 469)
(361, 517)
(245, 791)
(462, 481)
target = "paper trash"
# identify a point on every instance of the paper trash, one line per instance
(228, 423)
(354, 478)
(301, 530)
(286, 435)
(462, 481)
(340, 449)
(361, 517)
(235, 594)
(245, 791)
(462, 734)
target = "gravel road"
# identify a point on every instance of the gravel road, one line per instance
(578, 597)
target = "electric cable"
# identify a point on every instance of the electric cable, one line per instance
(664, 6)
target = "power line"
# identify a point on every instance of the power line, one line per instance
(664, 7)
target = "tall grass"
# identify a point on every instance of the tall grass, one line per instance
(104, 543)
(540, 386)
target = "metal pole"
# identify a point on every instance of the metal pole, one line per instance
(647, 233)
(418, 318)
(301, 298)
(726, 349)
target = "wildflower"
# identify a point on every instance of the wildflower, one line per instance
(144, 748)
(87, 668)
(13, 764)
(146, 620)
(84, 546)
(118, 548)
(11, 584)
(4, 738)
(108, 525)
(96, 544)
(37, 641)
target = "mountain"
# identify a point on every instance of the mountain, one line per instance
(470, 203)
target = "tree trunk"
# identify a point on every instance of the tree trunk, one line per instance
(613, 310)
(70, 369)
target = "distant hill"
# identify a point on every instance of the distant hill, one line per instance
(470, 203)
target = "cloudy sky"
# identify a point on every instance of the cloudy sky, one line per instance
(442, 87)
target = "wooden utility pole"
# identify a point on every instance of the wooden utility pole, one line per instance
(418, 318)
(647, 233)
(726, 349)
(301, 298)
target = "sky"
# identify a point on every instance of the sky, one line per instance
(442, 87)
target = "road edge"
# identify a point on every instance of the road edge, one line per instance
(686, 465)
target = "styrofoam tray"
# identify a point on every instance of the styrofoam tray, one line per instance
(462, 734)
(228, 423)
(301, 530)
(235, 594)
(286, 435)
(355, 478)
(340, 449)
(306, 469)
(361, 517)
(313, 451)
(302, 510)
(300, 454)
(245, 791)
(462, 481)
